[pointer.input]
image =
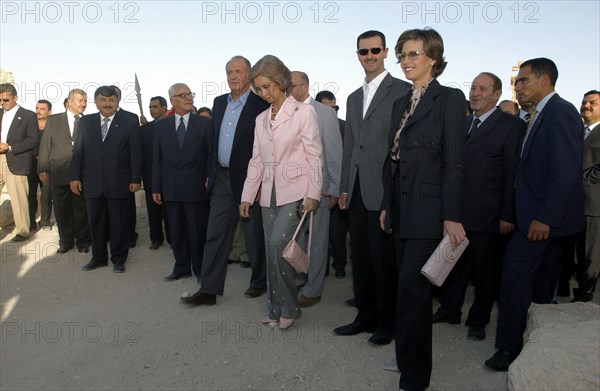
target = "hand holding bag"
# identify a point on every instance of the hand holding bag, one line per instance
(293, 253)
(443, 259)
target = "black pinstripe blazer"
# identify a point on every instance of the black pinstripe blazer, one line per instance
(428, 174)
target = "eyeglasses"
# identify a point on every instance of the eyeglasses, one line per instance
(413, 54)
(184, 95)
(364, 52)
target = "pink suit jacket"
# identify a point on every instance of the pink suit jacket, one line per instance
(289, 154)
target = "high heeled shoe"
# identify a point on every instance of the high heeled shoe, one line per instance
(286, 323)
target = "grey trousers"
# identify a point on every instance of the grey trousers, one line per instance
(318, 249)
(279, 224)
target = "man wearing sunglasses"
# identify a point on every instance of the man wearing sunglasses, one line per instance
(368, 117)
(19, 137)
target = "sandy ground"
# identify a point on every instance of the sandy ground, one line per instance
(66, 329)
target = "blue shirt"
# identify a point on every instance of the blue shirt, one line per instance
(227, 132)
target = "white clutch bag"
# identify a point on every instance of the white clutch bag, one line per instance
(443, 259)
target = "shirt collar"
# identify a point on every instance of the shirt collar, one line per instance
(377, 80)
(242, 99)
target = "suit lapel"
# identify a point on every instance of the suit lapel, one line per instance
(245, 117)
(425, 105)
(485, 126)
(536, 125)
(114, 126)
(288, 108)
(380, 94)
(592, 136)
(15, 122)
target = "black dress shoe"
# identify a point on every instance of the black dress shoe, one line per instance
(155, 245)
(175, 277)
(476, 333)
(355, 328)
(84, 249)
(200, 299)
(380, 338)
(245, 265)
(63, 249)
(439, 317)
(350, 302)
(251, 293)
(340, 274)
(19, 238)
(119, 268)
(93, 264)
(501, 360)
(230, 261)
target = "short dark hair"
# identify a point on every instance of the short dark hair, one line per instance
(161, 101)
(106, 91)
(591, 92)
(45, 102)
(205, 110)
(371, 34)
(324, 95)
(7, 87)
(542, 66)
(433, 44)
(496, 80)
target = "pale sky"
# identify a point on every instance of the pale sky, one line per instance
(52, 47)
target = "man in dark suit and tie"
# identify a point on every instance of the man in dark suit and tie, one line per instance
(368, 121)
(548, 204)
(181, 153)
(156, 213)
(490, 155)
(107, 165)
(233, 124)
(19, 138)
(56, 149)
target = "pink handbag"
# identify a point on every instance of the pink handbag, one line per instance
(443, 259)
(293, 253)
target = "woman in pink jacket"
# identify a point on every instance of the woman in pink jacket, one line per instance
(286, 169)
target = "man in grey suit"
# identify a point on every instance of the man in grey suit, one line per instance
(54, 160)
(331, 139)
(368, 122)
(588, 269)
(19, 138)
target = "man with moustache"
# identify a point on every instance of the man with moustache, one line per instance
(19, 139)
(490, 154)
(107, 165)
(548, 205)
(156, 213)
(331, 140)
(368, 122)
(56, 149)
(43, 109)
(179, 172)
(234, 116)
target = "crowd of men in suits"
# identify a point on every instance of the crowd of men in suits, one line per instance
(531, 183)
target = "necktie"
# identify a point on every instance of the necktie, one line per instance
(476, 123)
(586, 132)
(75, 125)
(530, 121)
(181, 132)
(105, 122)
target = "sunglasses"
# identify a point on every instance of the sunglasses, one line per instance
(5, 100)
(364, 52)
(413, 54)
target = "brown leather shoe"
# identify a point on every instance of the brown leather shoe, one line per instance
(200, 299)
(304, 301)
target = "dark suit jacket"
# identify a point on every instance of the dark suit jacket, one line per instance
(131, 115)
(490, 157)
(548, 185)
(366, 140)
(591, 173)
(56, 149)
(23, 137)
(430, 168)
(147, 135)
(241, 150)
(107, 168)
(180, 174)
